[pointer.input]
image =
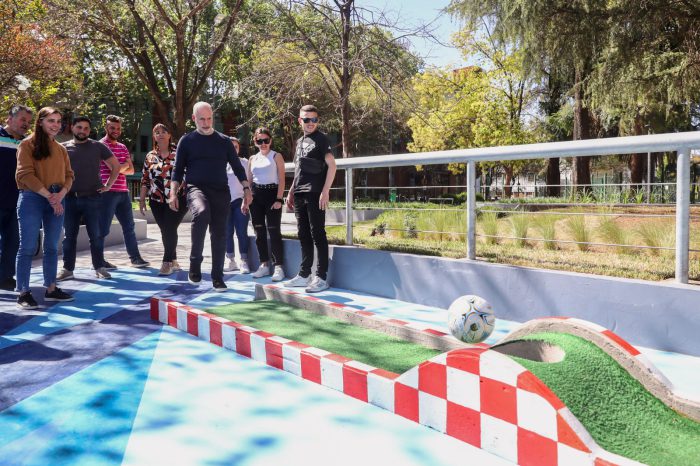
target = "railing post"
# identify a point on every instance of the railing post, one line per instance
(682, 215)
(348, 206)
(471, 210)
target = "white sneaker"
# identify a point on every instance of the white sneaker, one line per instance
(231, 265)
(278, 276)
(102, 273)
(64, 274)
(316, 285)
(298, 281)
(262, 271)
(243, 266)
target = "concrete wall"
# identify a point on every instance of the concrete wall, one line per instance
(664, 316)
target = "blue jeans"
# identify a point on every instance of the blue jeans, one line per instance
(88, 208)
(119, 204)
(35, 212)
(9, 242)
(237, 223)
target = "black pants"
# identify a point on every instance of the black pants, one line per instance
(209, 207)
(311, 222)
(168, 220)
(267, 220)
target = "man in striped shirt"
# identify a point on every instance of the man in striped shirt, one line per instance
(19, 121)
(117, 201)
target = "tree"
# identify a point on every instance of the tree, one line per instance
(479, 106)
(172, 47)
(559, 35)
(333, 48)
(34, 62)
(653, 59)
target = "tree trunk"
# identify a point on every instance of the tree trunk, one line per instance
(346, 78)
(638, 162)
(553, 178)
(508, 185)
(582, 130)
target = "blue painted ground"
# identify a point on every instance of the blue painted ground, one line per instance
(95, 382)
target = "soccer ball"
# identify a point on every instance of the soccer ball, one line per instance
(470, 318)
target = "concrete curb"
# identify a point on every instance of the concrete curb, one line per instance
(476, 395)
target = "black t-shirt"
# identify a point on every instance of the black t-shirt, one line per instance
(311, 176)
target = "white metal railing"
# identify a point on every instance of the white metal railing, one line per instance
(681, 143)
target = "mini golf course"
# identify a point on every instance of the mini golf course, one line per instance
(620, 414)
(615, 409)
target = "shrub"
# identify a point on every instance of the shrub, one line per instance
(612, 233)
(489, 226)
(579, 230)
(409, 225)
(520, 224)
(656, 235)
(546, 225)
(447, 225)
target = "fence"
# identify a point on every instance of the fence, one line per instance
(680, 143)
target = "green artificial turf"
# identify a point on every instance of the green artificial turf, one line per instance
(620, 414)
(368, 346)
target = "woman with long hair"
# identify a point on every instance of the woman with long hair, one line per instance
(44, 177)
(155, 185)
(266, 176)
(237, 219)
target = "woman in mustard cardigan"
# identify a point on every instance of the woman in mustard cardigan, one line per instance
(44, 177)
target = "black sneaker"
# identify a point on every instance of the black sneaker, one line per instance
(26, 301)
(219, 285)
(107, 266)
(57, 295)
(8, 284)
(139, 263)
(194, 277)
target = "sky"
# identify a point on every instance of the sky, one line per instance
(411, 13)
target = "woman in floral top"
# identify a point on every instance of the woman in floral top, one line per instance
(155, 184)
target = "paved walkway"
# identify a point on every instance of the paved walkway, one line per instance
(95, 381)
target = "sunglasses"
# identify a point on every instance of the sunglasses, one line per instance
(262, 141)
(310, 120)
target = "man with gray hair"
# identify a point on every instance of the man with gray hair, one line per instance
(202, 156)
(19, 121)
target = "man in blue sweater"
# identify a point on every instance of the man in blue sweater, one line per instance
(19, 121)
(201, 158)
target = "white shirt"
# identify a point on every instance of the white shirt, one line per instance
(234, 185)
(263, 168)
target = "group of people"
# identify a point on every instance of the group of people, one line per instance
(50, 186)
(223, 190)
(47, 186)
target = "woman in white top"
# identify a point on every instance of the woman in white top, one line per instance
(266, 176)
(237, 219)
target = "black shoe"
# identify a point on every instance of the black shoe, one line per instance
(219, 285)
(26, 301)
(57, 295)
(8, 284)
(139, 263)
(107, 266)
(194, 277)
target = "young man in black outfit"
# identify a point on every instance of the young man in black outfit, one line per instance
(308, 196)
(202, 156)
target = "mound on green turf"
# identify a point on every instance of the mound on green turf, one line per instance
(620, 414)
(364, 345)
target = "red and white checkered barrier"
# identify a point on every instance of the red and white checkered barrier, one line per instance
(476, 395)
